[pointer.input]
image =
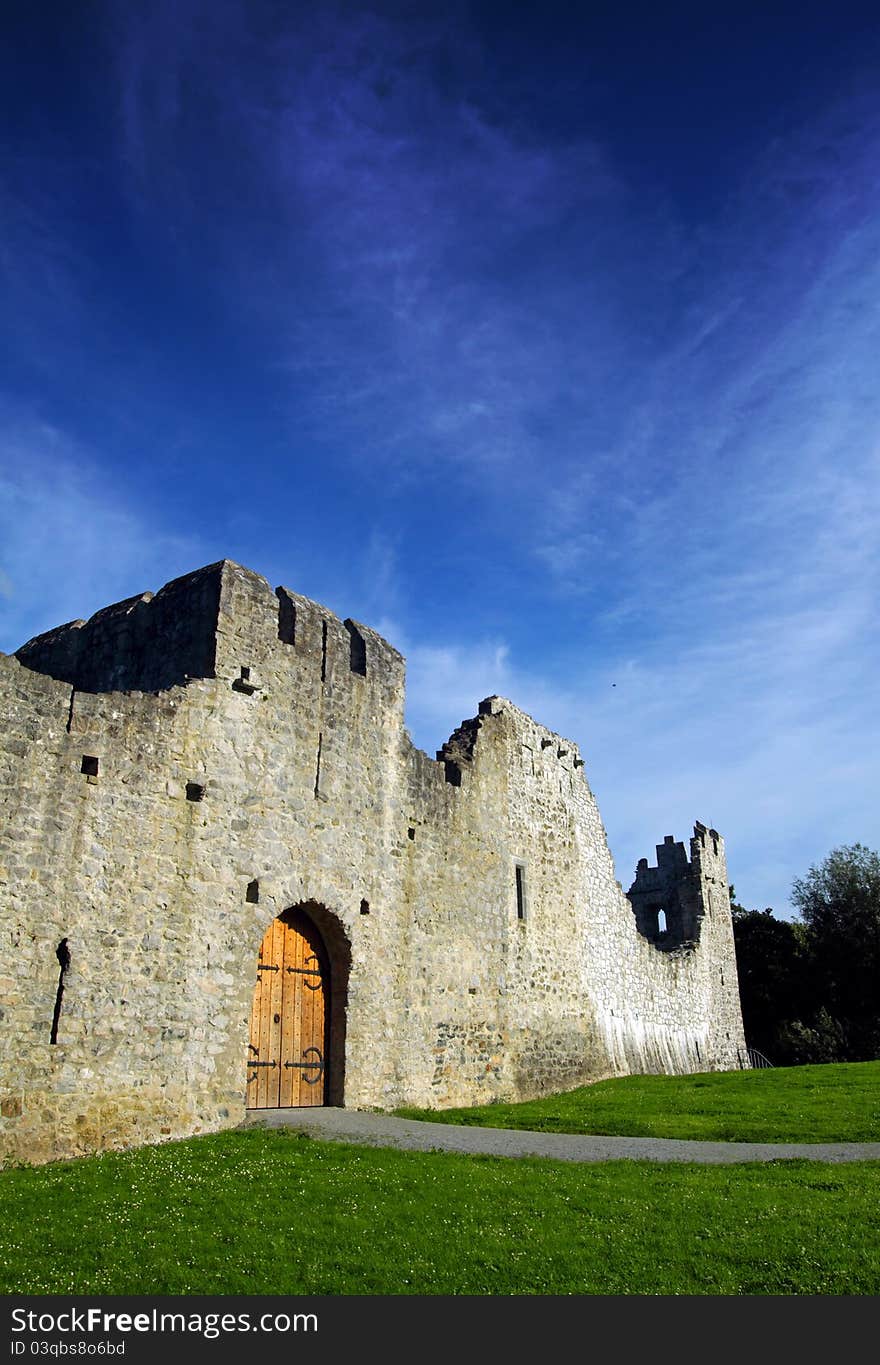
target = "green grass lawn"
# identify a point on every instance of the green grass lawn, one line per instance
(273, 1212)
(834, 1103)
(270, 1212)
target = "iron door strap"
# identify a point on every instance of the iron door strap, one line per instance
(309, 971)
(309, 1066)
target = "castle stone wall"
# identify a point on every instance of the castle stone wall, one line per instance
(183, 768)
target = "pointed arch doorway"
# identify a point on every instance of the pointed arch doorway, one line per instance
(287, 1052)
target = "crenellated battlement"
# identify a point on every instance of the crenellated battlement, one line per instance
(707, 849)
(539, 749)
(676, 888)
(146, 643)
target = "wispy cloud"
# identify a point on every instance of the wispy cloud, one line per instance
(69, 544)
(445, 360)
(44, 276)
(758, 411)
(770, 736)
(403, 208)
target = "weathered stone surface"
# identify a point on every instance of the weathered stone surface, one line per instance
(255, 760)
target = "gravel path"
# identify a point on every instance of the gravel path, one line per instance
(381, 1130)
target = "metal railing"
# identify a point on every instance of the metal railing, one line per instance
(757, 1059)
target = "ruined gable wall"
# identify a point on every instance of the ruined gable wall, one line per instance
(585, 994)
(572, 991)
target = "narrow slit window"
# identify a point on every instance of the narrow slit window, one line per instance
(520, 891)
(62, 952)
(318, 765)
(323, 651)
(252, 895)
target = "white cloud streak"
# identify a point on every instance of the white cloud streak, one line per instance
(69, 544)
(682, 423)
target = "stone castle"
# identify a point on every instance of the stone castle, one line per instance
(229, 880)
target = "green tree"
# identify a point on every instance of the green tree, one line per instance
(773, 969)
(839, 903)
(799, 1043)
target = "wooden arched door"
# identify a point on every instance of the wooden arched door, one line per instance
(287, 1049)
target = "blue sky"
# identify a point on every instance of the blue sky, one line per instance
(543, 339)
